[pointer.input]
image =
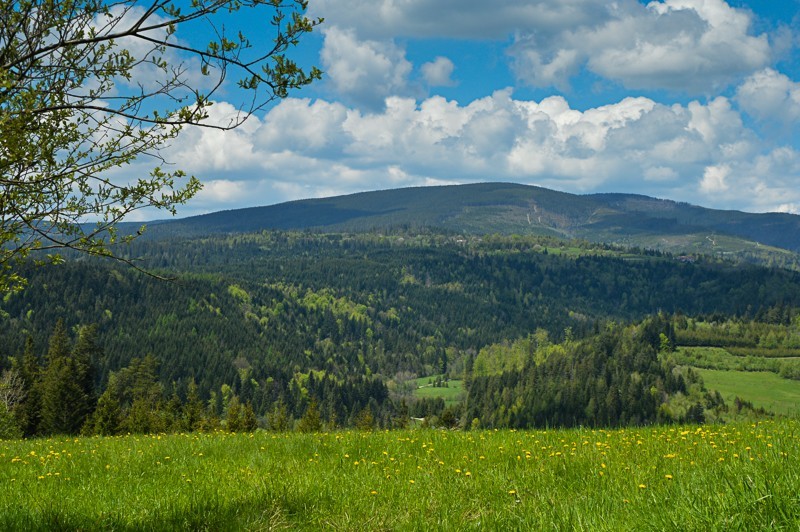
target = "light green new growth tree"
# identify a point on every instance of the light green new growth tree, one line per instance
(87, 86)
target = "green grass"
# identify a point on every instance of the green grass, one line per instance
(453, 394)
(763, 389)
(721, 359)
(733, 477)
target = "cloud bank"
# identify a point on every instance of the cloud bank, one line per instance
(698, 108)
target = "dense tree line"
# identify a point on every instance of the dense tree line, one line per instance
(57, 393)
(280, 322)
(365, 304)
(623, 375)
(614, 378)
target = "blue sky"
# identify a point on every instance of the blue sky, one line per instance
(691, 100)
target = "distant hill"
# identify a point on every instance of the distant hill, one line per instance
(507, 208)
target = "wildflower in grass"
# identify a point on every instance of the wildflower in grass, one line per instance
(668, 477)
(642, 486)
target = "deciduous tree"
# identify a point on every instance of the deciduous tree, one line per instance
(87, 86)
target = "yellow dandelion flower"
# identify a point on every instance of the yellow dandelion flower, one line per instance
(642, 486)
(668, 477)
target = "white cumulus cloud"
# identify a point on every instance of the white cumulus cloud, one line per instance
(770, 96)
(437, 73)
(695, 46)
(701, 153)
(364, 71)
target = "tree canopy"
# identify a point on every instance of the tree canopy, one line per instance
(87, 86)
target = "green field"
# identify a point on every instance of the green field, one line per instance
(721, 359)
(763, 389)
(452, 394)
(733, 477)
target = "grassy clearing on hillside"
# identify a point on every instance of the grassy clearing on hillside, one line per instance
(763, 389)
(722, 359)
(667, 478)
(452, 394)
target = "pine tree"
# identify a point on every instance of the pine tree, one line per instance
(193, 410)
(311, 420)
(364, 420)
(64, 401)
(233, 420)
(142, 397)
(29, 412)
(105, 420)
(248, 420)
(87, 354)
(278, 419)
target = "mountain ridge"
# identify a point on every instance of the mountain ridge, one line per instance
(509, 208)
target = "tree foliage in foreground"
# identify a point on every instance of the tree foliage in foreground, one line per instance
(87, 86)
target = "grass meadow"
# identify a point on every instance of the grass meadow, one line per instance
(732, 477)
(452, 394)
(762, 388)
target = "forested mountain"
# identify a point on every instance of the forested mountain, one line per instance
(283, 321)
(505, 208)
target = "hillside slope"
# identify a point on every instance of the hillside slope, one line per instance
(506, 208)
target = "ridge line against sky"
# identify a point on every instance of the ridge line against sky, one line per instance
(689, 100)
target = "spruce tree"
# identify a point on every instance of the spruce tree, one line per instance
(106, 418)
(247, 419)
(278, 419)
(194, 412)
(64, 401)
(29, 412)
(311, 420)
(233, 420)
(87, 353)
